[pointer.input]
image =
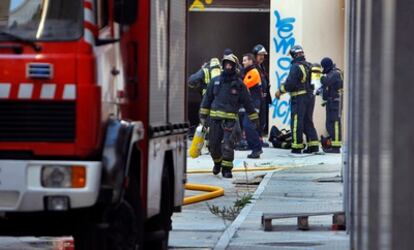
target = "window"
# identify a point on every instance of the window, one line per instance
(42, 20)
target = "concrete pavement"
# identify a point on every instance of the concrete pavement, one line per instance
(292, 189)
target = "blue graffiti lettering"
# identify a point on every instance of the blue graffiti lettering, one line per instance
(284, 63)
(285, 44)
(284, 29)
(280, 78)
(284, 26)
(283, 41)
(281, 110)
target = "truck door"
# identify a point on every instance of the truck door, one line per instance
(110, 72)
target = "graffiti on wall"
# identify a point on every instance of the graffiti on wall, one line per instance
(284, 40)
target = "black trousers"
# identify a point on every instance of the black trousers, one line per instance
(333, 122)
(264, 117)
(302, 108)
(223, 135)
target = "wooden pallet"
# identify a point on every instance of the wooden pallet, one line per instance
(338, 219)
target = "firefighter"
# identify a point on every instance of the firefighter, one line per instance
(298, 84)
(221, 104)
(203, 76)
(252, 80)
(332, 84)
(260, 53)
(200, 80)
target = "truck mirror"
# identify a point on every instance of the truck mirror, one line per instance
(125, 12)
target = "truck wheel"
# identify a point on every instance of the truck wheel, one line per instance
(161, 224)
(118, 232)
(123, 223)
(122, 233)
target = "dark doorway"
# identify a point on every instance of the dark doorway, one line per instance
(210, 32)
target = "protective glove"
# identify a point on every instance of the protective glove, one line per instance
(278, 94)
(319, 91)
(203, 120)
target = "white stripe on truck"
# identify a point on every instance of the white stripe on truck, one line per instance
(48, 91)
(5, 90)
(25, 91)
(69, 92)
(89, 16)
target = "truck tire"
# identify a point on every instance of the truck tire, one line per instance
(161, 223)
(122, 233)
(123, 223)
(118, 232)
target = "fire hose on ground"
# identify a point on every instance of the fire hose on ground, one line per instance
(214, 191)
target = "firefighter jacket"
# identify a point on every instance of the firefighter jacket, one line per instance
(253, 82)
(203, 76)
(265, 83)
(298, 81)
(224, 96)
(332, 85)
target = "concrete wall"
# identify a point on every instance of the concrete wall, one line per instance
(380, 135)
(317, 25)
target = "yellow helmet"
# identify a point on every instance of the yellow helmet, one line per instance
(231, 58)
(214, 62)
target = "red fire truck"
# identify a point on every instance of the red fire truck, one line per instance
(92, 120)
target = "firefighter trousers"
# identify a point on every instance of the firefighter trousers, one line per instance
(302, 107)
(252, 134)
(263, 116)
(333, 122)
(223, 135)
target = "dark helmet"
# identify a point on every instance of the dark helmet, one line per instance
(296, 50)
(227, 52)
(259, 49)
(327, 64)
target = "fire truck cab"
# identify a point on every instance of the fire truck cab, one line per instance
(92, 120)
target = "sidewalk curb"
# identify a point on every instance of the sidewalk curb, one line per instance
(228, 234)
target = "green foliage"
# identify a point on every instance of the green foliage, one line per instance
(231, 213)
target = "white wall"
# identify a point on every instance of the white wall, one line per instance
(317, 25)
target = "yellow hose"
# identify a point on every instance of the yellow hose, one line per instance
(213, 192)
(206, 171)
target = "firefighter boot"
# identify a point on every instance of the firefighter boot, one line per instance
(226, 172)
(311, 150)
(296, 151)
(216, 168)
(255, 154)
(332, 150)
(326, 142)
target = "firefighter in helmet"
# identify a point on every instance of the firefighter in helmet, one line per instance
(224, 96)
(332, 84)
(298, 85)
(260, 54)
(203, 76)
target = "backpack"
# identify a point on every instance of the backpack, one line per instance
(306, 68)
(280, 138)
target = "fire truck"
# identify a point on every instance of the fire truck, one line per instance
(92, 120)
